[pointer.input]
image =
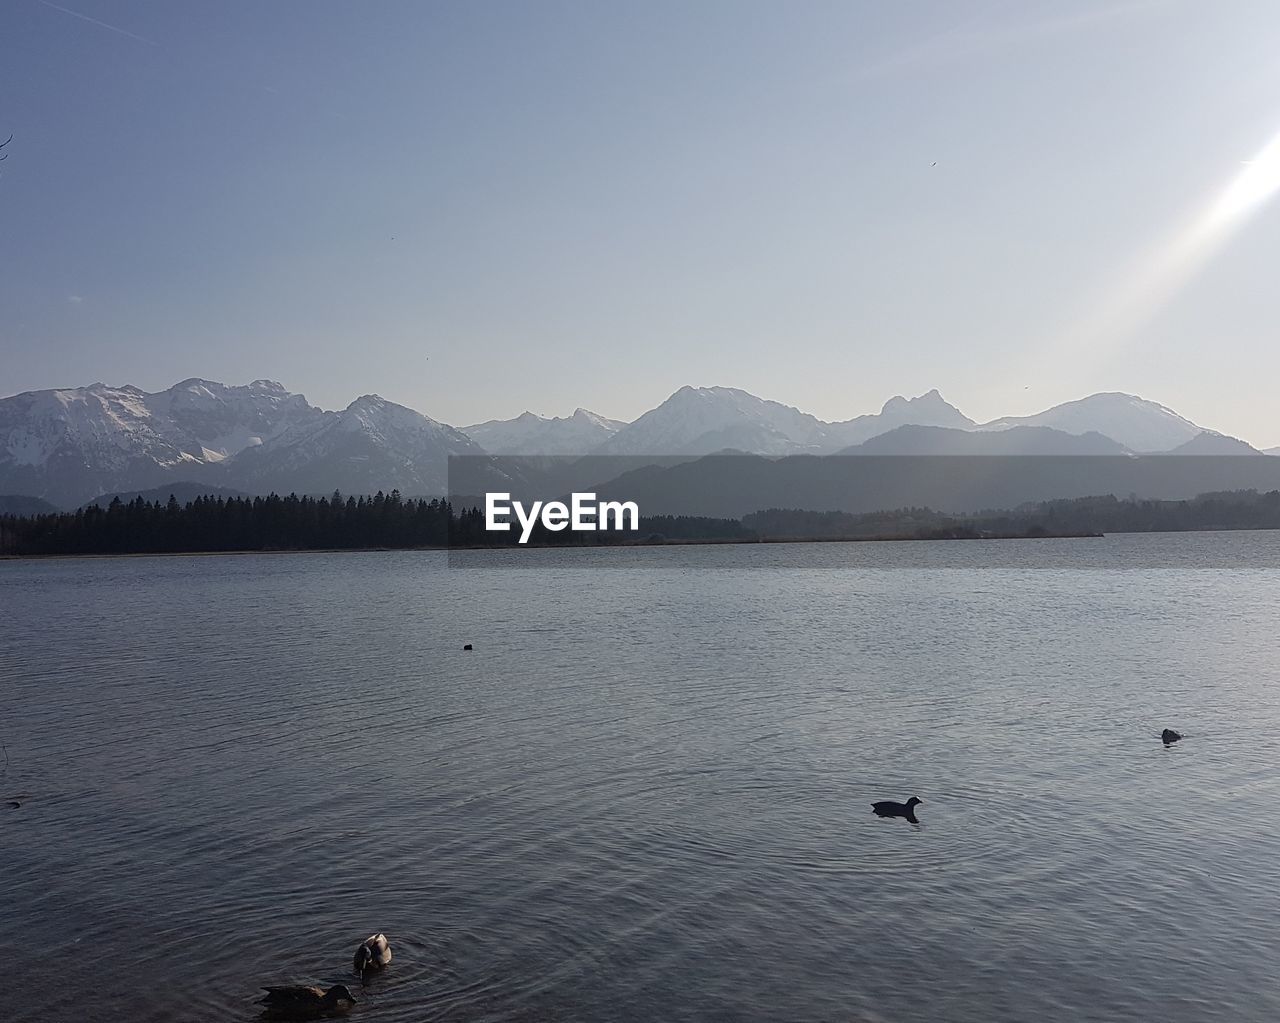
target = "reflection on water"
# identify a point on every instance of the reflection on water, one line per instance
(646, 795)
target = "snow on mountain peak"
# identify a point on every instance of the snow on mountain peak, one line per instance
(70, 444)
(377, 416)
(368, 403)
(373, 444)
(532, 434)
(1135, 422)
(594, 419)
(701, 420)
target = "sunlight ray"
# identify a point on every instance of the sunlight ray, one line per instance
(1156, 277)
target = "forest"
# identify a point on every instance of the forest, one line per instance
(1084, 516)
(384, 521)
(388, 521)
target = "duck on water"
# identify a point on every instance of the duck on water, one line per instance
(302, 1002)
(374, 953)
(889, 808)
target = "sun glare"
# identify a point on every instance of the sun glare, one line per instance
(1154, 280)
(1254, 185)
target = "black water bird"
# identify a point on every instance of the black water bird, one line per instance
(374, 953)
(466, 646)
(1169, 736)
(888, 808)
(301, 1002)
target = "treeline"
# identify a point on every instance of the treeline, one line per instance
(791, 523)
(1238, 509)
(1232, 509)
(211, 524)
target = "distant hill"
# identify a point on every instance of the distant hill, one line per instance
(1018, 440)
(16, 504)
(1210, 443)
(730, 486)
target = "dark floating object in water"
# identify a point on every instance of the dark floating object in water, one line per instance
(301, 1002)
(466, 646)
(374, 953)
(15, 804)
(1169, 736)
(888, 808)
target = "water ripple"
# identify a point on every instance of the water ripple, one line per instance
(645, 798)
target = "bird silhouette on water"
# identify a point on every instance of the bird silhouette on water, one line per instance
(1169, 736)
(301, 1002)
(889, 808)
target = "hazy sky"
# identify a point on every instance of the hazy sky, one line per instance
(478, 208)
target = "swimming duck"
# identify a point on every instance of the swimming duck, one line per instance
(373, 954)
(888, 808)
(1169, 736)
(301, 1002)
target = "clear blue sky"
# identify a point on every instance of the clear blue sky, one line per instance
(478, 208)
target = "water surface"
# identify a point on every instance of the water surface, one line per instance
(645, 794)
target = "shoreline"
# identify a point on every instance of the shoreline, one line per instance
(632, 545)
(708, 542)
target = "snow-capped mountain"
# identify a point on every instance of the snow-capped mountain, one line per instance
(373, 444)
(226, 420)
(702, 420)
(66, 445)
(1138, 424)
(69, 446)
(530, 434)
(1017, 440)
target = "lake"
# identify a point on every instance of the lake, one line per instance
(644, 795)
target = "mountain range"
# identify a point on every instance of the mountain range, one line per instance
(704, 420)
(67, 446)
(530, 434)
